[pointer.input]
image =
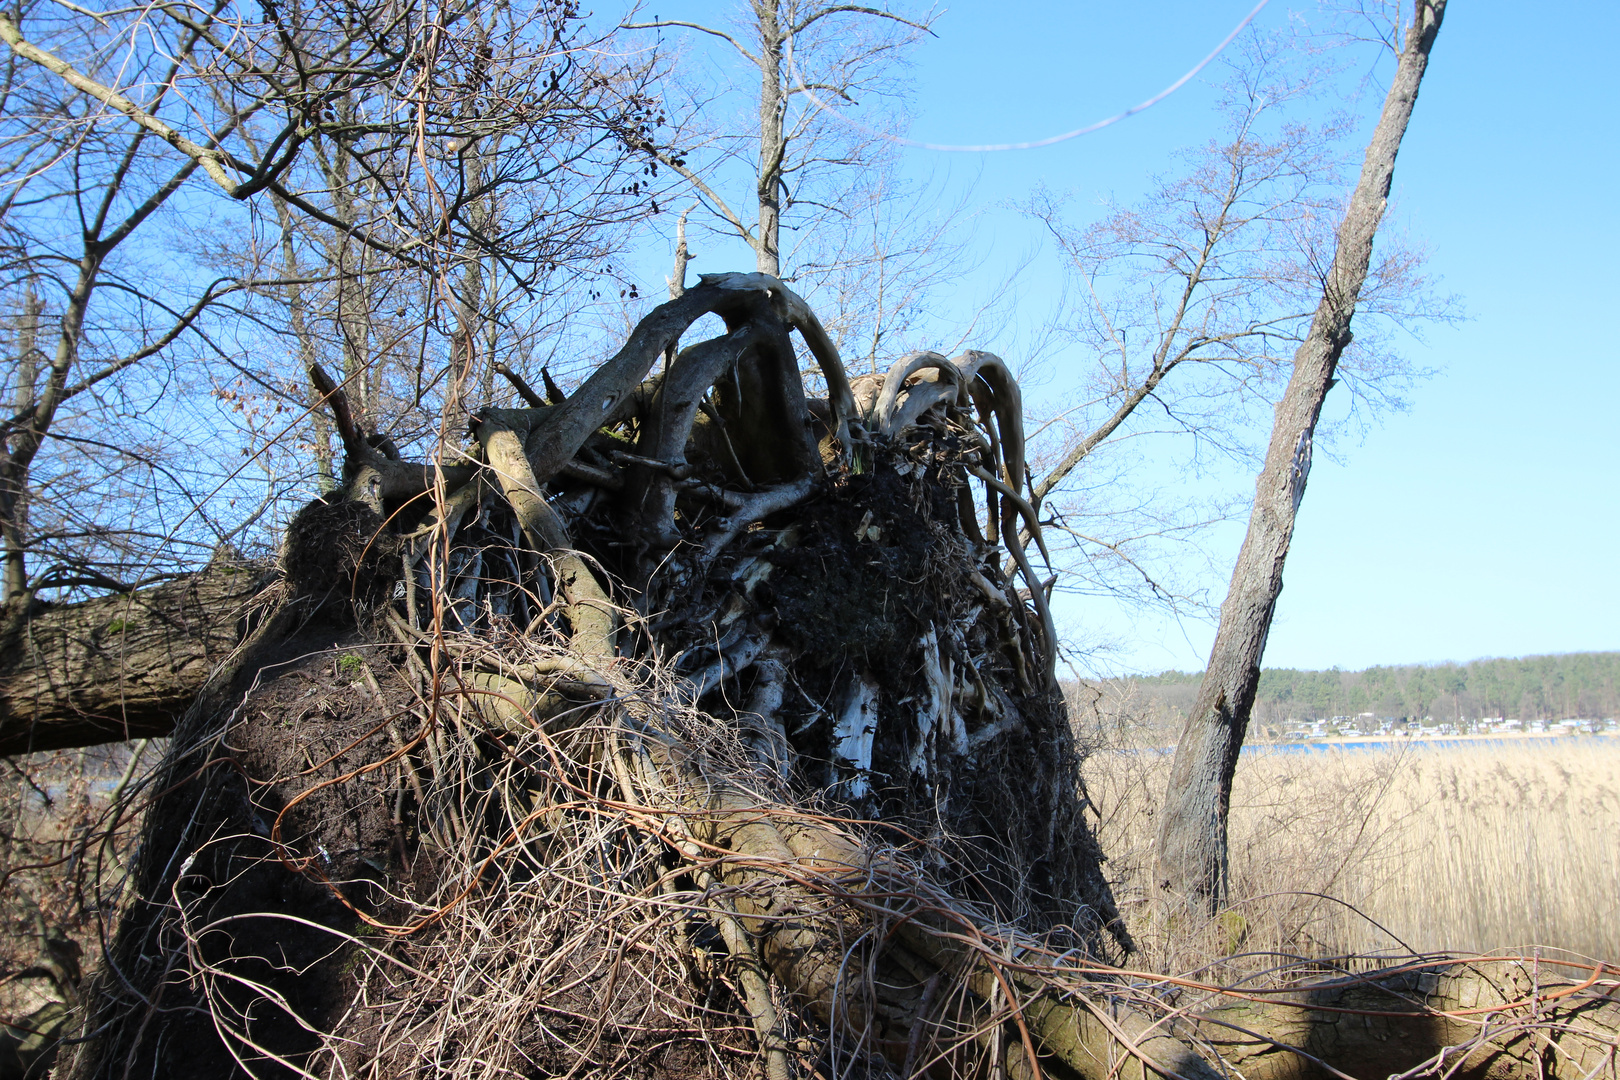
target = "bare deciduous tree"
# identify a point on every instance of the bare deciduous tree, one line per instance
(79, 468)
(1191, 854)
(808, 58)
(782, 132)
(1186, 306)
(409, 162)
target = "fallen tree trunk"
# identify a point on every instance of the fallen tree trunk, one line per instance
(1489, 1017)
(118, 667)
(1496, 1018)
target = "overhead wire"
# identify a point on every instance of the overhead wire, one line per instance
(800, 86)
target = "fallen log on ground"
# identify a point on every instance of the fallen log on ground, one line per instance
(1485, 1017)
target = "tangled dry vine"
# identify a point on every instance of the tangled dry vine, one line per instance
(691, 724)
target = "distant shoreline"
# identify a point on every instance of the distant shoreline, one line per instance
(1387, 742)
(1420, 742)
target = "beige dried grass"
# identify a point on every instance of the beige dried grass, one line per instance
(1492, 846)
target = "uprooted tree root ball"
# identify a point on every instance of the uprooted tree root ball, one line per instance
(687, 726)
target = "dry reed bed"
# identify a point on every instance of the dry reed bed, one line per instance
(1506, 846)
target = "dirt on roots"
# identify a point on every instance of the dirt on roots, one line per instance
(354, 868)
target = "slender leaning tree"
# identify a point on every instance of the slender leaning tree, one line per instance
(1192, 852)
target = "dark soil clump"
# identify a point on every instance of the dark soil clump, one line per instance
(498, 781)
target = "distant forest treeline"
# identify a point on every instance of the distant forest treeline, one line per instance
(1583, 685)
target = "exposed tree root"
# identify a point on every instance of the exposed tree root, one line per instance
(699, 730)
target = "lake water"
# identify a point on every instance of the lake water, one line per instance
(1486, 742)
(1477, 742)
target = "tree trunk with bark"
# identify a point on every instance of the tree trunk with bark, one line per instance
(772, 139)
(1192, 858)
(119, 667)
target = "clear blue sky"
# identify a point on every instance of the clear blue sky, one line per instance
(1481, 522)
(1484, 521)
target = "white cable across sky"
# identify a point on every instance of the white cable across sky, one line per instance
(901, 140)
